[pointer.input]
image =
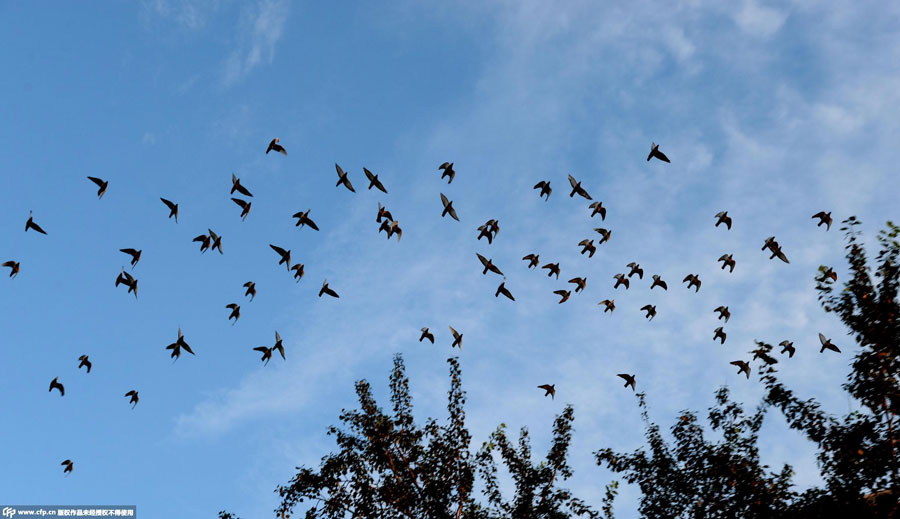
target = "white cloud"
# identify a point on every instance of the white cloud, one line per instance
(759, 20)
(260, 30)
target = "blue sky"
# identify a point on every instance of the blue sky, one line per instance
(772, 111)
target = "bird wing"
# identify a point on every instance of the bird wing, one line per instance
(453, 214)
(444, 200)
(97, 181)
(573, 182)
(369, 174)
(240, 202)
(484, 261)
(170, 205)
(454, 332)
(340, 171)
(276, 248)
(660, 155)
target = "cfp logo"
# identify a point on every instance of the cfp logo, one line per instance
(9, 511)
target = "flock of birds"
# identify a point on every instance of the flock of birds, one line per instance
(489, 231)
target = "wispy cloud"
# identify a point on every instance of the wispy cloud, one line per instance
(259, 30)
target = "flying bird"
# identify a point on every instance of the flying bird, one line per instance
(761, 353)
(102, 184)
(577, 189)
(251, 289)
(606, 233)
(609, 305)
(266, 354)
(135, 255)
(824, 219)
(552, 268)
(216, 241)
(727, 261)
(326, 290)
(597, 208)
(13, 267)
(68, 464)
(532, 259)
(236, 186)
(204, 241)
(30, 224)
(173, 208)
(448, 208)
(298, 269)
(134, 397)
(448, 171)
(178, 345)
(827, 344)
(84, 362)
(285, 256)
(55, 384)
(457, 338)
(245, 207)
(827, 272)
(743, 367)
(563, 294)
(620, 280)
(391, 228)
(274, 146)
(426, 335)
(655, 153)
(579, 282)
(503, 290)
(235, 312)
(549, 390)
(635, 269)
(544, 186)
(775, 249)
(128, 280)
(629, 380)
(651, 311)
(587, 246)
(488, 265)
(693, 281)
(279, 345)
(304, 219)
(343, 179)
(722, 217)
(723, 313)
(788, 346)
(374, 182)
(658, 282)
(383, 213)
(719, 333)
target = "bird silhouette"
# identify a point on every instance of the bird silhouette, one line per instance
(787, 346)
(304, 219)
(54, 384)
(629, 380)
(343, 178)
(426, 334)
(285, 256)
(135, 255)
(279, 345)
(761, 353)
(134, 397)
(102, 184)
(826, 272)
(563, 294)
(577, 189)
(503, 290)
(178, 345)
(743, 367)
(658, 282)
(597, 208)
(549, 390)
(824, 219)
(84, 362)
(606, 233)
(448, 208)
(374, 182)
(326, 290)
(489, 230)
(274, 146)
(579, 283)
(609, 305)
(635, 269)
(552, 268)
(827, 344)
(722, 217)
(719, 333)
(216, 241)
(235, 312)
(30, 224)
(723, 312)
(391, 228)
(532, 259)
(448, 171)
(621, 280)
(204, 241)
(69, 465)
(727, 261)
(383, 213)
(775, 249)
(693, 281)
(13, 267)
(266, 354)
(587, 246)
(128, 280)
(251, 289)
(298, 269)
(236, 186)
(655, 153)
(173, 208)
(544, 186)
(457, 338)
(245, 207)
(488, 265)
(651, 311)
